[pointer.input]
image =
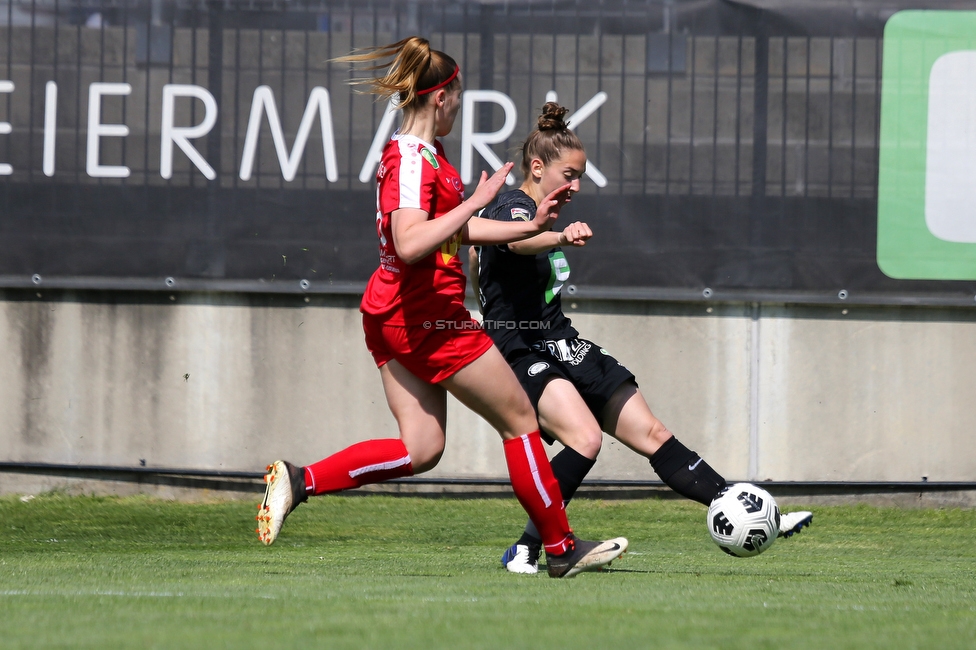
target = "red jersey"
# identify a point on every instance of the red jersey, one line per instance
(415, 174)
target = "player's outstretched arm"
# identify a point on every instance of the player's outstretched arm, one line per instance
(415, 235)
(487, 232)
(575, 234)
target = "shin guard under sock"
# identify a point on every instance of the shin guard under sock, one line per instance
(686, 473)
(372, 461)
(570, 468)
(538, 491)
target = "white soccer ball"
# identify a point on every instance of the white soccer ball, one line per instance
(743, 520)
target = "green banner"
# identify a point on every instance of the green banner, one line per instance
(927, 157)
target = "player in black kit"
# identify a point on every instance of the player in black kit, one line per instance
(577, 388)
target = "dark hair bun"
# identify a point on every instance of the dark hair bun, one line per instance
(552, 117)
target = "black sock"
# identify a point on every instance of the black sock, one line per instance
(570, 468)
(686, 473)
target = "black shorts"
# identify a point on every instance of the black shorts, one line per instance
(595, 374)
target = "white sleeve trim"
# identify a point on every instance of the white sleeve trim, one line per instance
(410, 176)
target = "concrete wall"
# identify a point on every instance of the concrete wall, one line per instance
(231, 382)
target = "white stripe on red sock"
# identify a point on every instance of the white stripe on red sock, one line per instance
(377, 467)
(535, 471)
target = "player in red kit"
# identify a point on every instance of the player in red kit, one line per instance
(422, 338)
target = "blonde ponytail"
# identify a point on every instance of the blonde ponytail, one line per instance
(414, 71)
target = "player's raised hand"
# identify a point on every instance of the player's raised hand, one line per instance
(488, 187)
(575, 234)
(550, 206)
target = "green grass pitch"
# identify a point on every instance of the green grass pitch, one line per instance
(389, 572)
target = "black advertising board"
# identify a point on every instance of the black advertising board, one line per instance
(734, 147)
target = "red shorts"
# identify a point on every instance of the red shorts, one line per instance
(433, 351)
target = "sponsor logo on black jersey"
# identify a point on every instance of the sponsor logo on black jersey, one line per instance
(536, 368)
(521, 213)
(559, 274)
(578, 350)
(571, 351)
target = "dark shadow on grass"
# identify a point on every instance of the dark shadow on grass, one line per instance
(543, 569)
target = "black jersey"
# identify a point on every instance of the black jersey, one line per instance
(519, 294)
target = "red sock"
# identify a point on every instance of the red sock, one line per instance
(373, 461)
(538, 491)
